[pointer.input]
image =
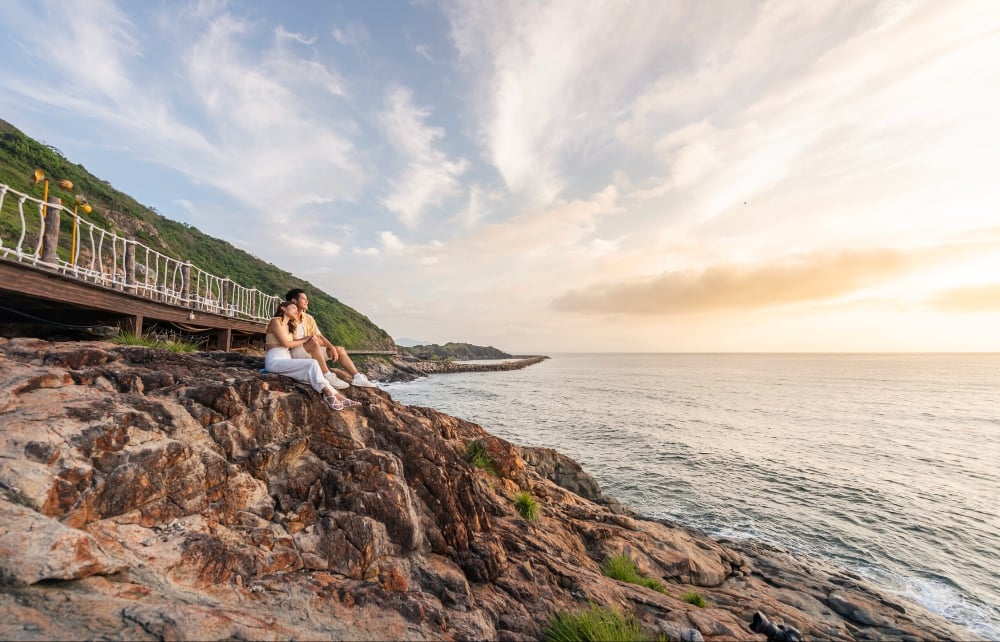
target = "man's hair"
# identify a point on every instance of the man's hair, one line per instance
(293, 294)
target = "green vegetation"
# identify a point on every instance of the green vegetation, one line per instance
(20, 155)
(476, 454)
(131, 339)
(695, 598)
(595, 624)
(456, 351)
(622, 568)
(526, 506)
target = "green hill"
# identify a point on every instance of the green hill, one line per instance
(20, 155)
(456, 352)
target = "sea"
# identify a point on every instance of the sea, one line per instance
(887, 465)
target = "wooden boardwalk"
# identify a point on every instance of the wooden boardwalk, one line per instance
(97, 279)
(31, 293)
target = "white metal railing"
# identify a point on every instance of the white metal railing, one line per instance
(98, 256)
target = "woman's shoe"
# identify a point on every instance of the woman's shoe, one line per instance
(350, 403)
(333, 402)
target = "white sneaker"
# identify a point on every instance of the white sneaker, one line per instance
(336, 381)
(362, 381)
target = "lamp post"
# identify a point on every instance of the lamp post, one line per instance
(82, 204)
(39, 177)
(50, 217)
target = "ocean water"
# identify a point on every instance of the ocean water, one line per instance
(885, 464)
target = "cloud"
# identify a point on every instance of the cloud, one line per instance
(425, 52)
(391, 242)
(979, 298)
(429, 176)
(482, 201)
(312, 245)
(237, 109)
(774, 111)
(97, 45)
(353, 35)
(551, 77)
(283, 34)
(814, 277)
(539, 232)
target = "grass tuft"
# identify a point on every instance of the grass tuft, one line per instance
(476, 454)
(622, 568)
(693, 597)
(596, 623)
(526, 506)
(132, 339)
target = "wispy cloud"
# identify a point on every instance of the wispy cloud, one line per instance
(247, 113)
(352, 35)
(482, 201)
(980, 298)
(815, 277)
(429, 176)
(550, 79)
(283, 34)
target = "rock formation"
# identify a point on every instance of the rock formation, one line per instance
(152, 495)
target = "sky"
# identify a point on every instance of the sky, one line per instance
(559, 175)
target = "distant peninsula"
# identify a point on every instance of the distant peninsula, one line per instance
(456, 352)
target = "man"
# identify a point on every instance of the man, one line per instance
(320, 347)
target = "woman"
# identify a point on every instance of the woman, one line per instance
(280, 339)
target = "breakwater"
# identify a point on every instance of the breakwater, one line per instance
(441, 367)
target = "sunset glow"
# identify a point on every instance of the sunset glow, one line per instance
(560, 176)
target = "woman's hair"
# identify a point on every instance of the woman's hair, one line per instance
(280, 312)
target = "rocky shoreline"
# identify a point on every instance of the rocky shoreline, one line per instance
(149, 495)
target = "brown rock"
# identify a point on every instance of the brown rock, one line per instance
(35, 548)
(191, 497)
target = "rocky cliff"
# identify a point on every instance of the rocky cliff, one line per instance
(151, 495)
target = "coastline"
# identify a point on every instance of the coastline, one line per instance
(731, 445)
(191, 497)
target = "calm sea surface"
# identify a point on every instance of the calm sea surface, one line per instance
(888, 465)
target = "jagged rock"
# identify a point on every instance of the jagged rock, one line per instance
(191, 497)
(562, 471)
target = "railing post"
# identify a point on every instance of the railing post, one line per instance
(186, 282)
(130, 265)
(224, 297)
(50, 238)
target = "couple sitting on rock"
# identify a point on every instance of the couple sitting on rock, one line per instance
(297, 349)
